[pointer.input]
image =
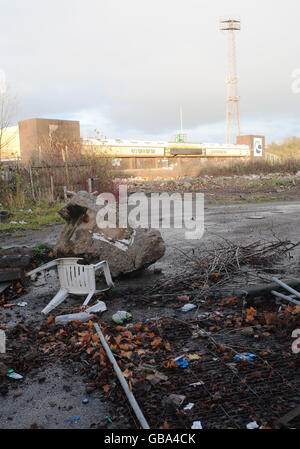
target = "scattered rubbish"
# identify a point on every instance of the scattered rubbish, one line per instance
(82, 316)
(129, 325)
(13, 222)
(194, 357)
(85, 400)
(13, 375)
(263, 290)
(294, 292)
(252, 425)
(22, 304)
(17, 394)
(2, 342)
(156, 378)
(8, 306)
(173, 399)
(74, 279)
(200, 333)
(184, 298)
(189, 406)
(247, 356)
(122, 380)
(121, 316)
(72, 419)
(255, 217)
(247, 331)
(99, 307)
(188, 307)
(181, 361)
(108, 419)
(203, 315)
(22, 222)
(197, 425)
(196, 384)
(4, 215)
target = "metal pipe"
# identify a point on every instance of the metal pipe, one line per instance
(288, 298)
(122, 380)
(287, 287)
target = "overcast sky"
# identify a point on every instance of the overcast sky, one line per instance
(124, 67)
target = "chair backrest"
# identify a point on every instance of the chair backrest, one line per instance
(75, 278)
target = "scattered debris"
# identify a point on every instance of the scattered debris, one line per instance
(188, 307)
(82, 317)
(121, 317)
(100, 306)
(245, 356)
(4, 215)
(122, 380)
(252, 425)
(156, 378)
(181, 361)
(72, 419)
(2, 342)
(255, 217)
(189, 406)
(17, 394)
(173, 399)
(75, 278)
(22, 304)
(197, 425)
(13, 375)
(85, 400)
(247, 331)
(197, 384)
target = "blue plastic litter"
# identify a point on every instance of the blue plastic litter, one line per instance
(245, 356)
(85, 400)
(72, 419)
(181, 361)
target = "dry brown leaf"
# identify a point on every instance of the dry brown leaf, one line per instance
(106, 388)
(50, 319)
(156, 342)
(250, 314)
(127, 373)
(168, 346)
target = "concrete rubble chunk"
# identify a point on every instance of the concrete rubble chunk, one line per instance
(126, 250)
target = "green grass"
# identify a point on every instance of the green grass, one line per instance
(43, 214)
(270, 183)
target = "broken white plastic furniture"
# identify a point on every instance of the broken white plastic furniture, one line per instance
(75, 279)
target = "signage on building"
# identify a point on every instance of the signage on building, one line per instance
(257, 146)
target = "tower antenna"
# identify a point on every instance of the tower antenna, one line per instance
(230, 26)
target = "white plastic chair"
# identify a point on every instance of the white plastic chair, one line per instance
(74, 279)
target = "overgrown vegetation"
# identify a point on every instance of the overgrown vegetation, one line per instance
(250, 167)
(34, 215)
(288, 148)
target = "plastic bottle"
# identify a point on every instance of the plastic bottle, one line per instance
(83, 317)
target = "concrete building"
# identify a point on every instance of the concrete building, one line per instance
(255, 143)
(48, 139)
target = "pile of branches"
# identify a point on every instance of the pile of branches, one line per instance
(228, 260)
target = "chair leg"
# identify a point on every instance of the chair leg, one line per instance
(58, 298)
(88, 298)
